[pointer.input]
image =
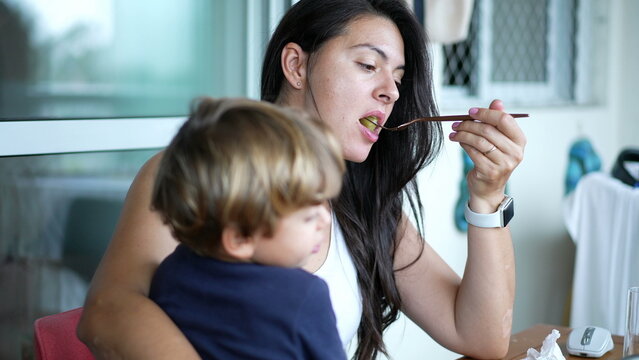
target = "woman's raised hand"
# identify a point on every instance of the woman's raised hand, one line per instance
(496, 144)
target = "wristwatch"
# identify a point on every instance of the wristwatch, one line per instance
(498, 219)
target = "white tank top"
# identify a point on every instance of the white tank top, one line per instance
(339, 273)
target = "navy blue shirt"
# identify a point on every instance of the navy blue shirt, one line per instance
(247, 311)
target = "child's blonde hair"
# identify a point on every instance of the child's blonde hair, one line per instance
(244, 164)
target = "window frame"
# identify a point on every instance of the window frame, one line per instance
(40, 137)
(548, 92)
(20, 137)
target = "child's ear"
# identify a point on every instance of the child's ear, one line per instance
(237, 246)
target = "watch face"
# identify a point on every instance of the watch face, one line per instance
(508, 211)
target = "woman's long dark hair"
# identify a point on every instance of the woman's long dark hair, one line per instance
(370, 206)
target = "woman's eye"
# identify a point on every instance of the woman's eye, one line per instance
(367, 67)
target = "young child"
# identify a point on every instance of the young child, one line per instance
(244, 188)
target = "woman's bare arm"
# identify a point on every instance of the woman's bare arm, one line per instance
(470, 316)
(119, 320)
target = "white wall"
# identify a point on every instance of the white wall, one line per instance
(625, 71)
(543, 250)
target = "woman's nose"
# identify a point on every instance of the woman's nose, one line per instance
(387, 91)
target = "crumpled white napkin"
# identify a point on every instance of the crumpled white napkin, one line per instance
(549, 349)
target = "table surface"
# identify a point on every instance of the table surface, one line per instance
(535, 335)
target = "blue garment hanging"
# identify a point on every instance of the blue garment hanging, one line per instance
(460, 220)
(582, 159)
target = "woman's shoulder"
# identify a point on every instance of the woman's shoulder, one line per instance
(150, 167)
(146, 174)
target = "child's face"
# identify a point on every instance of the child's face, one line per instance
(297, 236)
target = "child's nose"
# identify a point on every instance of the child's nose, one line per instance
(325, 216)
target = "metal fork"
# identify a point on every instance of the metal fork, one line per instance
(434, 118)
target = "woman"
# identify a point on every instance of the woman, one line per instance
(345, 61)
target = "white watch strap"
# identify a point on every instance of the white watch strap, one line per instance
(493, 220)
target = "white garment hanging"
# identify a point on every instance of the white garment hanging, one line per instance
(447, 21)
(602, 217)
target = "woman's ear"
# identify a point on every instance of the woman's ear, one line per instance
(294, 65)
(235, 245)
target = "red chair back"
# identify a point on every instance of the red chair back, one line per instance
(55, 337)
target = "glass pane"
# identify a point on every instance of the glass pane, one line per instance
(519, 46)
(118, 58)
(57, 215)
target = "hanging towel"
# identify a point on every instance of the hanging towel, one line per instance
(602, 217)
(460, 220)
(582, 159)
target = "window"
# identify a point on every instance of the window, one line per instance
(522, 51)
(89, 90)
(117, 58)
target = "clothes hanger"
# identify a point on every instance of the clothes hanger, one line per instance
(620, 169)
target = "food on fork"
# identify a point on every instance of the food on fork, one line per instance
(370, 122)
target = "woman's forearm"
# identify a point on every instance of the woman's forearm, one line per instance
(139, 330)
(484, 304)
(470, 315)
(119, 320)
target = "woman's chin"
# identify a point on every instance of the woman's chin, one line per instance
(358, 156)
